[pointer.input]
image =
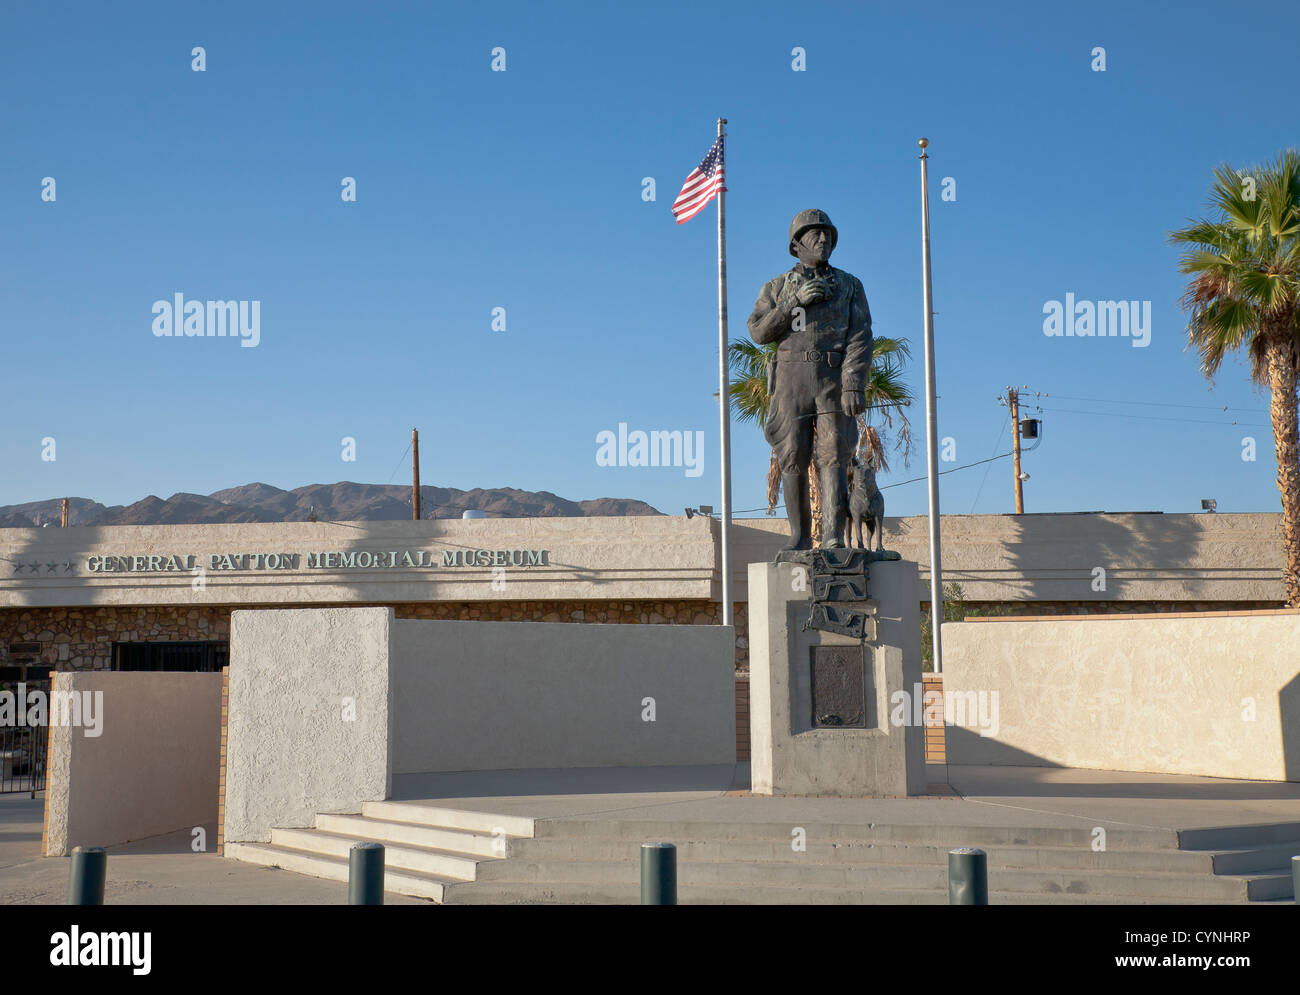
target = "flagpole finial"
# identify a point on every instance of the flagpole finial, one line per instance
(925, 144)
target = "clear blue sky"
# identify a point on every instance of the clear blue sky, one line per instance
(523, 189)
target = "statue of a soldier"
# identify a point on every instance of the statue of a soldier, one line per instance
(818, 315)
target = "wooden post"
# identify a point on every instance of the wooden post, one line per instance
(64, 523)
(1013, 398)
(415, 474)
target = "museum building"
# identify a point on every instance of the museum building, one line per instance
(159, 597)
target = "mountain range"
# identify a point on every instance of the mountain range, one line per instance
(342, 502)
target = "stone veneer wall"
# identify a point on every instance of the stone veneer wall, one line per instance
(82, 638)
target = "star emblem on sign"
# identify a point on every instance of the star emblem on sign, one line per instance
(51, 568)
(34, 567)
(67, 568)
(18, 567)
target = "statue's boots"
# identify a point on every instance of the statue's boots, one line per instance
(797, 509)
(834, 488)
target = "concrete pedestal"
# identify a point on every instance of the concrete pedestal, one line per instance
(790, 753)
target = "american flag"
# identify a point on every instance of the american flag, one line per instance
(701, 186)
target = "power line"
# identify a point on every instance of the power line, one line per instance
(400, 460)
(900, 483)
(1194, 421)
(996, 443)
(1157, 404)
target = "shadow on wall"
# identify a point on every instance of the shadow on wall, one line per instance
(581, 781)
(1288, 709)
(981, 757)
(1078, 544)
(964, 746)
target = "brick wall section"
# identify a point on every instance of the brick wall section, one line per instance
(1115, 607)
(221, 774)
(742, 717)
(934, 745)
(45, 809)
(1160, 614)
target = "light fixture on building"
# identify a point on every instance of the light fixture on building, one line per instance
(1023, 475)
(1209, 504)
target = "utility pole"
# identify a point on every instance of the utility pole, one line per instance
(1013, 399)
(65, 510)
(415, 474)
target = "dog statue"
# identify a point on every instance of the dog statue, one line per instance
(865, 502)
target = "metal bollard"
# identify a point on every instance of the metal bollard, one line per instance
(1295, 879)
(366, 874)
(86, 879)
(658, 874)
(968, 876)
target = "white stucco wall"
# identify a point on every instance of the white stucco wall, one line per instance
(151, 770)
(473, 696)
(1216, 695)
(308, 726)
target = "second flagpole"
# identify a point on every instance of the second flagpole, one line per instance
(724, 399)
(931, 419)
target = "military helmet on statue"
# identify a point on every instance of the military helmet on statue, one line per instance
(812, 218)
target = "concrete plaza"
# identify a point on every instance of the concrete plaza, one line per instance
(996, 803)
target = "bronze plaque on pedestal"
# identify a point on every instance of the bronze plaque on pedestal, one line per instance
(839, 687)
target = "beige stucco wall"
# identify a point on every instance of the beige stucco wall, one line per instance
(1217, 696)
(308, 716)
(151, 770)
(1053, 557)
(471, 696)
(327, 704)
(1050, 557)
(587, 558)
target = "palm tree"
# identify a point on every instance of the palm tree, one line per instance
(885, 393)
(1245, 291)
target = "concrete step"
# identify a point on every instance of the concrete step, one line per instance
(397, 856)
(451, 840)
(948, 836)
(1239, 837)
(1271, 885)
(424, 814)
(1255, 859)
(335, 869)
(798, 874)
(577, 893)
(870, 853)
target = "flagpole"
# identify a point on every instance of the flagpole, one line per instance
(724, 400)
(931, 422)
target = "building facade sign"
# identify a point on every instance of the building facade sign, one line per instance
(352, 559)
